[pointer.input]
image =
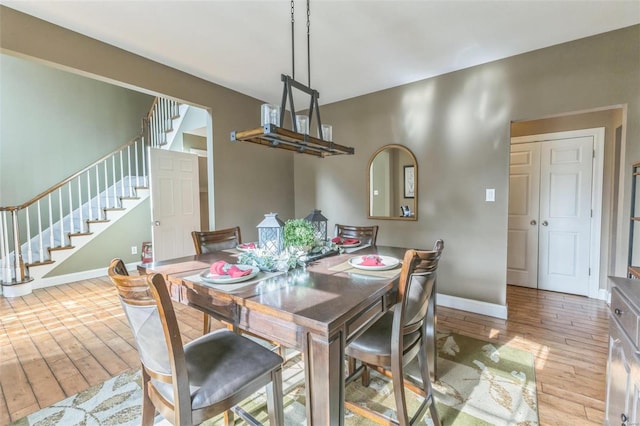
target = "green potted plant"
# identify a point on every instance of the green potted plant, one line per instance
(299, 235)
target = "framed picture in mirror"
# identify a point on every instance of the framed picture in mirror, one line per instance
(409, 181)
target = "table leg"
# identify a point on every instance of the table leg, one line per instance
(324, 372)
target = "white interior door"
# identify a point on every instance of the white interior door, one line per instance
(175, 202)
(550, 215)
(524, 195)
(565, 215)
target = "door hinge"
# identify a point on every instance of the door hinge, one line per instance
(594, 153)
(589, 271)
(591, 213)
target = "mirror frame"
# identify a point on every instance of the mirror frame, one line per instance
(415, 197)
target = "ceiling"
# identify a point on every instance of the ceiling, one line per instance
(357, 47)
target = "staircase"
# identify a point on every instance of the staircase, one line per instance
(36, 236)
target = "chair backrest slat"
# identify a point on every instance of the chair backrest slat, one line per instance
(417, 284)
(221, 239)
(151, 321)
(366, 234)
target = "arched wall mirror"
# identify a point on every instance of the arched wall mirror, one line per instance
(393, 184)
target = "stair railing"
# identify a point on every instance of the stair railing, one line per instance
(160, 120)
(47, 221)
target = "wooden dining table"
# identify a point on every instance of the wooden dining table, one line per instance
(317, 310)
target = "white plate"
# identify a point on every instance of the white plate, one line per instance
(389, 263)
(240, 248)
(207, 276)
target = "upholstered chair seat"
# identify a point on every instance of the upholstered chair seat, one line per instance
(219, 364)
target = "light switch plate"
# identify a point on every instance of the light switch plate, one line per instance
(490, 194)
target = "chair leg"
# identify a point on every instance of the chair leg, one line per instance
(274, 398)
(206, 324)
(366, 376)
(351, 365)
(401, 402)
(423, 361)
(148, 410)
(229, 418)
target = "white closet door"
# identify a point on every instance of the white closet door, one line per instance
(565, 215)
(524, 194)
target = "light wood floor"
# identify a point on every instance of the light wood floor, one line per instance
(61, 340)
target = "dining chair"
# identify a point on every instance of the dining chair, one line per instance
(210, 241)
(202, 379)
(403, 333)
(366, 234)
(220, 239)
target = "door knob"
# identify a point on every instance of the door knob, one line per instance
(156, 223)
(533, 222)
(545, 223)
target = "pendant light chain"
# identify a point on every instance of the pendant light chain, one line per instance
(293, 50)
(308, 44)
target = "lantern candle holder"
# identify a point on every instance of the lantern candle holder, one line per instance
(319, 223)
(271, 234)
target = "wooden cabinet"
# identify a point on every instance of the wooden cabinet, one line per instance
(634, 229)
(623, 367)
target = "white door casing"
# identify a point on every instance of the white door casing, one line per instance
(524, 193)
(556, 261)
(175, 202)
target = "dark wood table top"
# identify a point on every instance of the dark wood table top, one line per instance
(315, 296)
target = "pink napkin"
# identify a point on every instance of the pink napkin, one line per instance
(344, 241)
(218, 268)
(371, 260)
(223, 268)
(248, 246)
(235, 272)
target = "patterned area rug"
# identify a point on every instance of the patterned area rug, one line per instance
(479, 383)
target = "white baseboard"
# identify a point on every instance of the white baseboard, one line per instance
(475, 306)
(76, 276)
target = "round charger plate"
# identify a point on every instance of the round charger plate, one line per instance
(207, 276)
(389, 263)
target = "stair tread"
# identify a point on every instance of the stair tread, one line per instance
(61, 248)
(98, 220)
(108, 209)
(79, 234)
(44, 262)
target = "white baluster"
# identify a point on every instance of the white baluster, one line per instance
(129, 170)
(90, 214)
(121, 176)
(106, 187)
(115, 181)
(80, 205)
(40, 240)
(29, 255)
(4, 248)
(72, 226)
(62, 238)
(51, 243)
(135, 151)
(99, 202)
(144, 164)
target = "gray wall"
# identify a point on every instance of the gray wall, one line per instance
(458, 126)
(53, 124)
(249, 180)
